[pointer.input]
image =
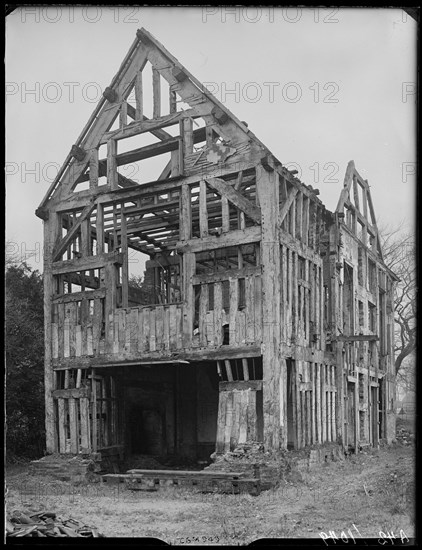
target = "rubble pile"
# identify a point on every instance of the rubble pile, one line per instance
(405, 436)
(46, 524)
(251, 459)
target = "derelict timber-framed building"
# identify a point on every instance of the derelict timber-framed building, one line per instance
(262, 317)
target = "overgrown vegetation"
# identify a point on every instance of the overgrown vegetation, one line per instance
(399, 252)
(24, 353)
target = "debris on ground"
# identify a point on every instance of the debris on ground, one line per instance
(404, 436)
(46, 524)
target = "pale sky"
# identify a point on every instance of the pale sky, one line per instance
(318, 87)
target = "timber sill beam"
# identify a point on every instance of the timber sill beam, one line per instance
(233, 238)
(205, 278)
(236, 198)
(78, 296)
(76, 393)
(255, 385)
(86, 264)
(356, 338)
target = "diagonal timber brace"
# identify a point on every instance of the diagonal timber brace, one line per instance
(236, 198)
(64, 243)
(287, 204)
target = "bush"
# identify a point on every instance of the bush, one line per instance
(24, 347)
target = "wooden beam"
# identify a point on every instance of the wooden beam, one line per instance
(106, 196)
(188, 138)
(236, 237)
(203, 214)
(348, 178)
(185, 213)
(76, 393)
(236, 198)
(139, 97)
(356, 338)
(123, 115)
(93, 169)
(273, 403)
(287, 204)
(78, 296)
(156, 93)
(112, 163)
(228, 370)
(85, 264)
(125, 258)
(67, 239)
(255, 385)
(154, 125)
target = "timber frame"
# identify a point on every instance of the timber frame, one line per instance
(269, 316)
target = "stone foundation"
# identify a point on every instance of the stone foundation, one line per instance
(272, 467)
(77, 469)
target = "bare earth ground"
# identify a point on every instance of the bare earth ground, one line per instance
(369, 493)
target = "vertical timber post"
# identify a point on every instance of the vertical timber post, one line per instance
(273, 408)
(51, 231)
(335, 324)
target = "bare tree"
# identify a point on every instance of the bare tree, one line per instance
(399, 255)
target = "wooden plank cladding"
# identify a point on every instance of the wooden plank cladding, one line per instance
(87, 416)
(146, 329)
(237, 420)
(313, 393)
(228, 312)
(78, 328)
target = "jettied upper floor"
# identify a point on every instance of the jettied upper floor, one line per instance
(163, 169)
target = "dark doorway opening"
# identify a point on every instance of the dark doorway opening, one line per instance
(147, 432)
(291, 436)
